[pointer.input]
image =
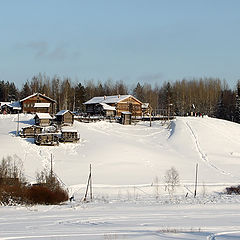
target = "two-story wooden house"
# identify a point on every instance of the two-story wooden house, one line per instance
(121, 103)
(38, 102)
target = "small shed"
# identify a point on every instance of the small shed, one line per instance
(69, 135)
(65, 117)
(50, 139)
(126, 118)
(43, 119)
(30, 131)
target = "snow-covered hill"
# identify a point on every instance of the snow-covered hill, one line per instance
(128, 202)
(135, 154)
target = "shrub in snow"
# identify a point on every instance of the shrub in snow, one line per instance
(15, 190)
(233, 190)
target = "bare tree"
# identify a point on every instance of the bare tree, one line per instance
(171, 180)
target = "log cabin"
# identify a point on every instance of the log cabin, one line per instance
(65, 117)
(31, 104)
(121, 103)
(43, 119)
(69, 135)
(30, 131)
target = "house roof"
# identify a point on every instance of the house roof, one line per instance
(109, 99)
(69, 130)
(43, 115)
(13, 105)
(3, 103)
(62, 112)
(39, 94)
(107, 107)
(38, 105)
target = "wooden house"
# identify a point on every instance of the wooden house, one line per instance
(43, 119)
(30, 131)
(46, 139)
(69, 135)
(121, 103)
(64, 117)
(29, 105)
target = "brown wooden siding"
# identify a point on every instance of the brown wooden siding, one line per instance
(28, 105)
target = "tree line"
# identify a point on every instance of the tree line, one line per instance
(209, 96)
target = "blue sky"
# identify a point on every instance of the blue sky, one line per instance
(131, 40)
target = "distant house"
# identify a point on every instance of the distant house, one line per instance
(116, 104)
(13, 107)
(65, 117)
(31, 104)
(43, 119)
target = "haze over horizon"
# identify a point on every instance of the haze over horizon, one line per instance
(134, 41)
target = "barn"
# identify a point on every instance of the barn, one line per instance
(38, 102)
(119, 103)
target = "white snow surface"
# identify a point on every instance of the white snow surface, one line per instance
(128, 167)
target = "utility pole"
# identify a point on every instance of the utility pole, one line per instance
(195, 191)
(89, 184)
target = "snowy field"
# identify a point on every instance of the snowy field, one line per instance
(128, 167)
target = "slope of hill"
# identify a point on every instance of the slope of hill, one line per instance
(136, 154)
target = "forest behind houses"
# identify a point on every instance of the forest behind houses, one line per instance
(209, 96)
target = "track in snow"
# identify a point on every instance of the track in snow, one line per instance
(203, 156)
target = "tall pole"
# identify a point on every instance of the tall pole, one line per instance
(17, 124)
(195, 191)
(51, 170)
(91, 194)
(150, 116)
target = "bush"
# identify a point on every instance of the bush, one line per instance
(15, 190)
(40, 194)
(233, 190)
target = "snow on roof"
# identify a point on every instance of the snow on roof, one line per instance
(13, 105)
(4, 103)
(108, 107)
(33, 95)
(145, 105)
(107, 99)
(37, 105)
(43, 116)
(69, 130)
(126, 113)
(62, 112)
